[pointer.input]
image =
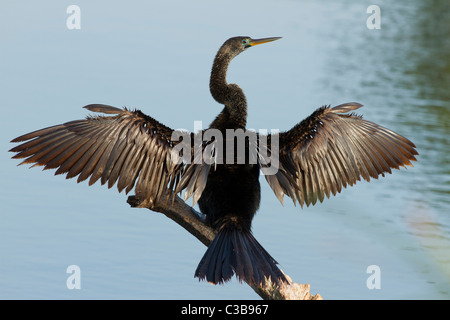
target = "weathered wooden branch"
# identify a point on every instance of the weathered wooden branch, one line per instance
(193, 222)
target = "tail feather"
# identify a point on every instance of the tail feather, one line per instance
(237, 252)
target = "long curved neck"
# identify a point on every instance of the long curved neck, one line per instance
(234, 115)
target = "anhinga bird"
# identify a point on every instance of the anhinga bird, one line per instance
(325, 152)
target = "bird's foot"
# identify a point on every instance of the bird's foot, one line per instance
(133, 201)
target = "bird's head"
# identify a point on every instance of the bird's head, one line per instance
(236, 45)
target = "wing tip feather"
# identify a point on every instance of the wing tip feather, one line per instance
(346, 107)
(103, 108)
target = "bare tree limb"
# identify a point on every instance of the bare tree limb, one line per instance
(194, 223)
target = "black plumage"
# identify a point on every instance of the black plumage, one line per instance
(319, 156)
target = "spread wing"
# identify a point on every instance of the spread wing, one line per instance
(129, 148)
(330, 150)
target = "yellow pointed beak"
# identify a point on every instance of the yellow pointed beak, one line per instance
(254, 42)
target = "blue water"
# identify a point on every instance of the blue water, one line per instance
(157, 57)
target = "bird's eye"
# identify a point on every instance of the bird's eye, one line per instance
(245, 41)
